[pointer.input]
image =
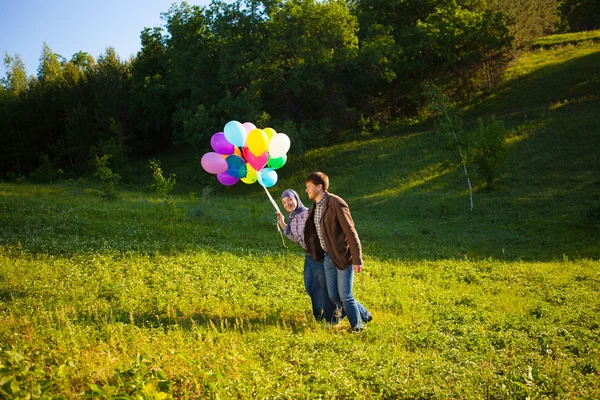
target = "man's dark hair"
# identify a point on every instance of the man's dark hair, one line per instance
(318, 178)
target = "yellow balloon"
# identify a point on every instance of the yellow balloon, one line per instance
(257, 142)
(270, 132)
(251, 176)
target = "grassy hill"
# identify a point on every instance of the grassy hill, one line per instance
(112, 298)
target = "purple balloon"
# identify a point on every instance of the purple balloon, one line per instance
(220, 144)
(213, 163)
(226, 179)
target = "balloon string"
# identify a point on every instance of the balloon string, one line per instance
(268, 194)
(276, 208)
(281, 234)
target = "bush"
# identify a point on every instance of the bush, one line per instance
(307, 135)
(192, 126)
(47, 171)
(488, 149)
(107, 177)
(161, 186)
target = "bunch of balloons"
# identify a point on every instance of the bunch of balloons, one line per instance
(244, 152)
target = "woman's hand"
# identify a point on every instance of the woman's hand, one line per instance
(280, 219)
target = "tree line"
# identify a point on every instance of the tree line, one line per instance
(309, 68)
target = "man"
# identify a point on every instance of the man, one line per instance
(329, 234)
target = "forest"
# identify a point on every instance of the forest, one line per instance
(315, 69)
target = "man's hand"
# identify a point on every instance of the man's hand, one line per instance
(358, 268)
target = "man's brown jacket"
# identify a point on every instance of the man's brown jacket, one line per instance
(339, 234)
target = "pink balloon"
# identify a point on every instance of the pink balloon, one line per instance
(249, 126)
(213, 163)
(226, 179)
(256, 162)
(220, 144)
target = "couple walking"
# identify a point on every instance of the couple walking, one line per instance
(327, 234)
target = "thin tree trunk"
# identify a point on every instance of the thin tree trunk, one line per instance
(462, 159)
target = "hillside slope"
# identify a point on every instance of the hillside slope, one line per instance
(549, 186)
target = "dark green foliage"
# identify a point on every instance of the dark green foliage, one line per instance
(528, 19)
(404, 43)
(488, 150)
(108, 178)
(319, 66)
(161, 186)
(192, 127)
(150, 102)
(580, 15)
(47, 172)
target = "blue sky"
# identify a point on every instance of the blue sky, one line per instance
(68, 26)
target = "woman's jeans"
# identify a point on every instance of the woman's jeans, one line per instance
(339, 287)
(316, 287)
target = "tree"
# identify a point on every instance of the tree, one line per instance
(309, 46)
(488, 150)
(13, 87)
(449, 129)
(107, 178)
(406, 42)
(15, 80)
(529, 19)
(151, 100)
(49, 70)
(580, 15)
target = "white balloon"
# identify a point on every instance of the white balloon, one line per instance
(279, 145)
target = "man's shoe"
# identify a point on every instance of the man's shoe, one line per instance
(358, 330)
(369, 319)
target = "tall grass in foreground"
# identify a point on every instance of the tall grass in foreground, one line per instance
(212, 324)
(101, 305)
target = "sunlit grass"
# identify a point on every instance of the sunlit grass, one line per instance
(543, 76)
(567, 38)
(211, 323)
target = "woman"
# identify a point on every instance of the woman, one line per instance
(314, 272)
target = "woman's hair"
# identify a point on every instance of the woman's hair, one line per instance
(318, 178)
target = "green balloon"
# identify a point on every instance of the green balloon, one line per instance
(277, 163)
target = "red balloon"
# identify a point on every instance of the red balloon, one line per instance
(256, 162)
(245, 152)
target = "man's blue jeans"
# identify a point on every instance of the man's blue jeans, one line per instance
(339, 287)
(316, 287)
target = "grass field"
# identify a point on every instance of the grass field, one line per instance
(109, 299)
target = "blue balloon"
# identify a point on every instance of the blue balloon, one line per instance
(236, 166)
(268, 177)
(235, 133)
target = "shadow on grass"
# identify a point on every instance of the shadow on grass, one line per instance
(576, 77)
(218, 324)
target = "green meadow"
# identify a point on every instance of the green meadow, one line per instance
(115, 299)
